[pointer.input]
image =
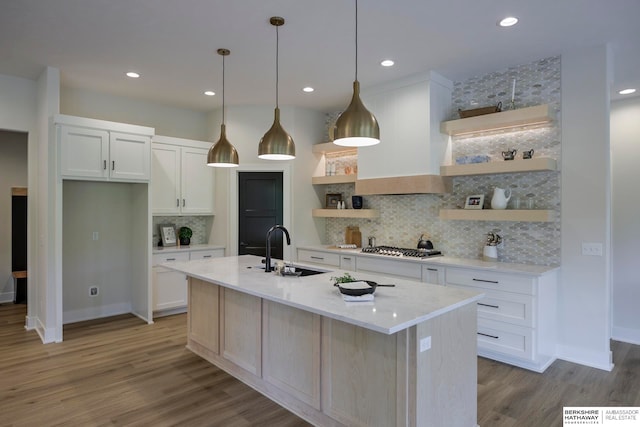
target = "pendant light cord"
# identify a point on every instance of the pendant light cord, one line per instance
(356, 40)
(277, 62)
(223, 89)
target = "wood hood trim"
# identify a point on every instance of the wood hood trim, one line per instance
(416, 184)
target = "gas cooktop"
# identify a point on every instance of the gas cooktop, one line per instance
(401, 252)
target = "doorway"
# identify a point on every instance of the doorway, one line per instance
(19, 243)
(260, 198)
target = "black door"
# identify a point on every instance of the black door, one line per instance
(260, 208)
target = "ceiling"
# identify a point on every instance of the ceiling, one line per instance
(173, 43)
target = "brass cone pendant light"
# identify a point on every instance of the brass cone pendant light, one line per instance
(356, 126)
(222, 154)
(277, 144)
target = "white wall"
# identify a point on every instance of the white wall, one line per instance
(105, 208)
(167, 120)
(245, 127)
(13, 173)
(625, 156)
(584, 288)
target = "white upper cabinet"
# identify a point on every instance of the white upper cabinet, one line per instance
(181, 180)
(409, 113)
(97, 150)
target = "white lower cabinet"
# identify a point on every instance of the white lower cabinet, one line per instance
(433, 274)
(318, 257)
(517, 316)
(170, 287)
(348, 262)
(390, 267)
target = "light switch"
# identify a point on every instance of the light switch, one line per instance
(592, 249)
(95, 235)
(425, 344)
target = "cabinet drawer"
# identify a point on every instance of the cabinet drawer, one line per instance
(348, 262)
(172, 256)
(433, 274)
(209, 253)
(387, 267)
(491, 280)
(516, 309)
(506, 339)
(319, 257)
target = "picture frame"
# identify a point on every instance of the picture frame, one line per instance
(168, 234)
(475, 201)
(332, 200)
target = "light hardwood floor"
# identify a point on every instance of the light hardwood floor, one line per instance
(120, 371)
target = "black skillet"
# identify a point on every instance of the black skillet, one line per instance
(359, 292)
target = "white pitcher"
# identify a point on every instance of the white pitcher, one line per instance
(500, 198)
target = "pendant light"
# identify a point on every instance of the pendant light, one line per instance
(356, 126)
(222, 154)
(277, 144)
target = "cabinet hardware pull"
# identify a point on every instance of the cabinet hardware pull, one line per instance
(346, 258)
(206, 256)
(171, 259)
(177, 202)
(432, 269)
(104, 165)
(184, 203)
(317, 257)
(486, 281)
(490, 336)
(489, 305)
(113, 165)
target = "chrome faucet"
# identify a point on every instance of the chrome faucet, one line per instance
(267, 266)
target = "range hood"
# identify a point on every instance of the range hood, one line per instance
(412, 148)
(416, 184)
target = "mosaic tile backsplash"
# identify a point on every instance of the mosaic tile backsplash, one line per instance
(197, 224)
(404, 217)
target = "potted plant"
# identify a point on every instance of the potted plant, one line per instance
(184, 235)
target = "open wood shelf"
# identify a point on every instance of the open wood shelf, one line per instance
(524, 215)
(522, 117)
(537, 164)
(334, 179)
(330, 147)
(345, 213)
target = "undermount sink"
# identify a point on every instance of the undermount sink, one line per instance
(307, 271)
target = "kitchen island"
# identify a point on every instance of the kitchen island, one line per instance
(408, 358)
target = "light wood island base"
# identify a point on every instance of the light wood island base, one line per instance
(333, 373)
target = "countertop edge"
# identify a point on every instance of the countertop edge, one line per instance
(445, 261)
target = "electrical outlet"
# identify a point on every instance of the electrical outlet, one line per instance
(93, 291)
(425, 344)
(592, 249)
(95, 235)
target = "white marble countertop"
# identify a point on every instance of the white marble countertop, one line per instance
(445, 261)
(393, 309)
(170, 249)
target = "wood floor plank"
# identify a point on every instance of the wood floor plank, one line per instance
(122, 372)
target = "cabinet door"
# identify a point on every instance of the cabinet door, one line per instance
(198, 182)
(169, 289)
(348, 262)
(165, 181)
(130, 157)
(84, 153)
(432, 274)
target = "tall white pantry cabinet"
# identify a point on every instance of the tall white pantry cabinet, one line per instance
(103, 223)
(182, 183)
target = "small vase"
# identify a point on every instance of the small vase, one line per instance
(185, 241)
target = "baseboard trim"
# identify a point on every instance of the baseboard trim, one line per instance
(47, 335)
(595, 359)
(628, 335)
(6, 297)
(80, 315)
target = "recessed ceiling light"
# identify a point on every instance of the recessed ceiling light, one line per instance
(209, 93)
(627, 91)
(509, 21)
(387, 63)
(133, 75)
(307, 89)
